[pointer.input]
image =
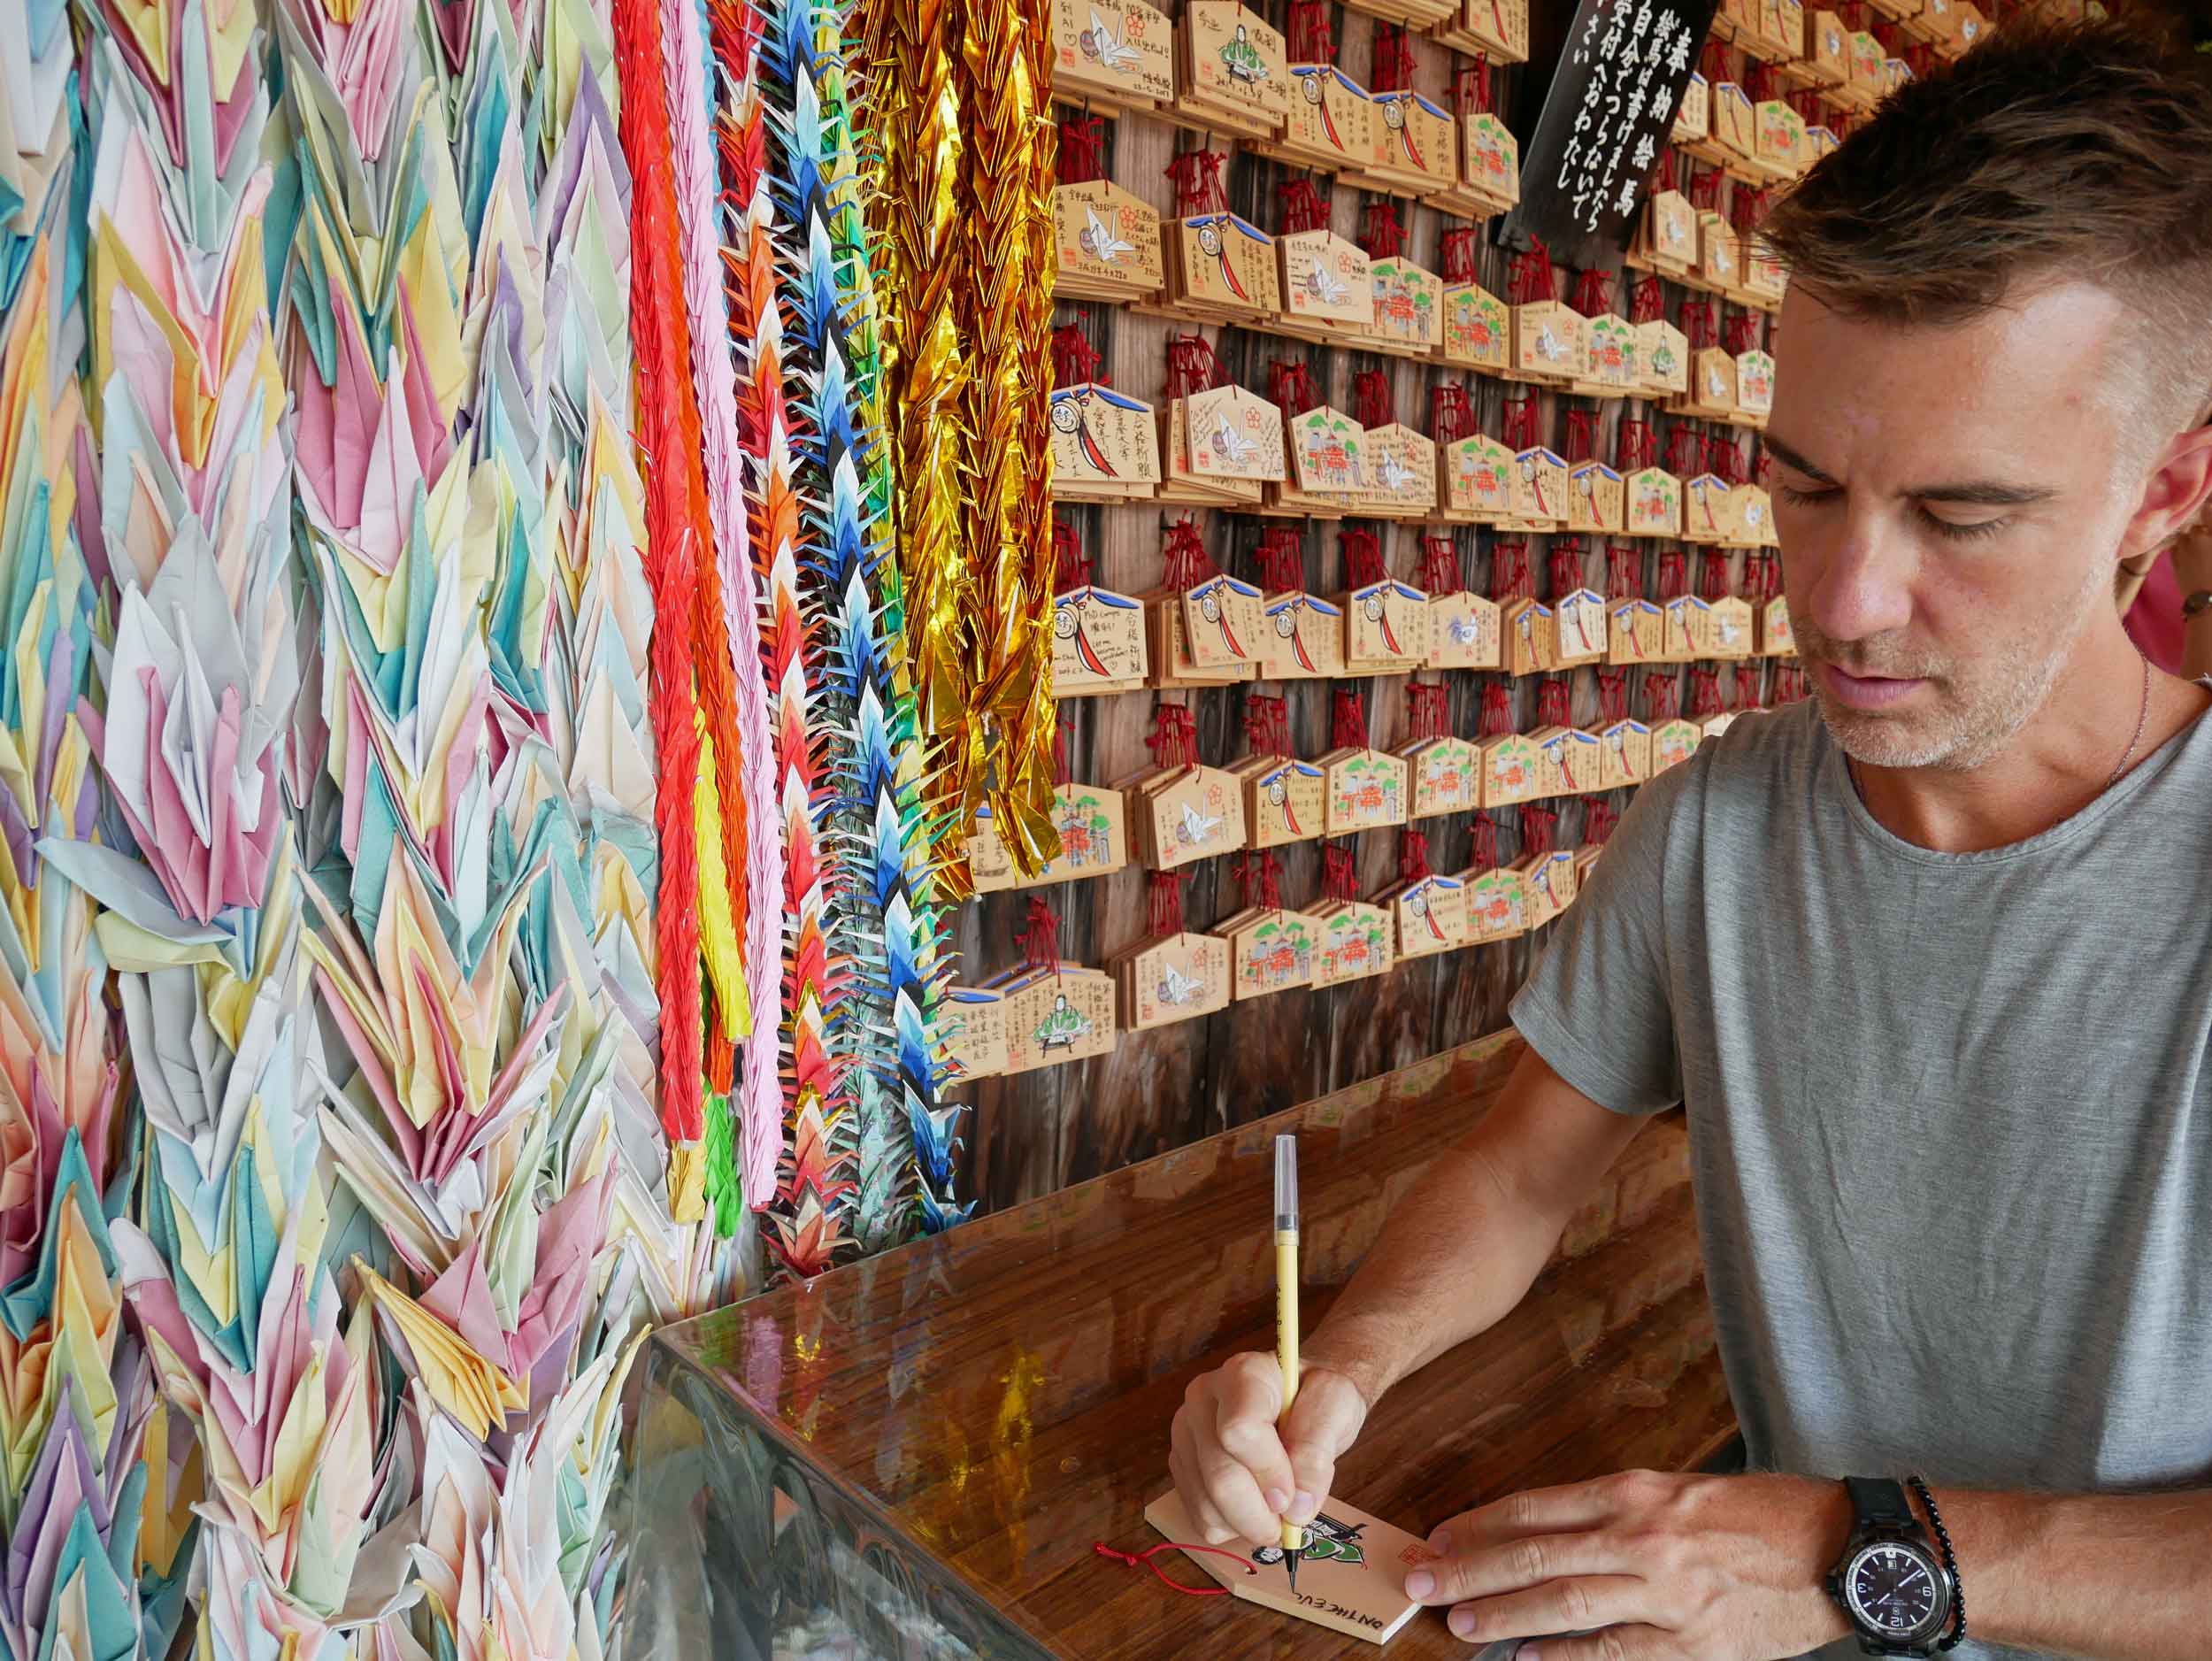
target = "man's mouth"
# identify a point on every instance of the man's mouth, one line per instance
(1868, 691)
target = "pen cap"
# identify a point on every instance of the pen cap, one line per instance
(1286, 1182)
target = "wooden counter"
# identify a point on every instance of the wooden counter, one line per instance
(914, 1455)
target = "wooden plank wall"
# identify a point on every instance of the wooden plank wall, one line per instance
(1037, 1131)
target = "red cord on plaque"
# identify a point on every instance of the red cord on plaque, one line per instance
(1143, 1560)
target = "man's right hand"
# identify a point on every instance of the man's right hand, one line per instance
(1242, 1476)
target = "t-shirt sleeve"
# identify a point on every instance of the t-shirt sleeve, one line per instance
(1605, 969)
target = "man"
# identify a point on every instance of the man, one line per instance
(1925, 959)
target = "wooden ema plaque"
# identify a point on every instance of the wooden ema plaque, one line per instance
(1355, 942)
(1477, 478)
(1416, 143)
(1330, 125)
(1526, 629)
(1498, 28)
(1755, 384)
(1570, 764)
(1714, 725)
(1367, 790)
(1718, 251)
(1301, 637)
(1683, 631)
(1706, 516)
(1653, 502)
(1093, 829)
(1175, 979)
(1386, 628)
(1326, 280)
(1867, 69)
(1232, 436)
(1490, 162)
(973, 1023)
(1236, 69)
(1182, 484)
(1609, 368)
(1475, 327)
(1462, 631)
(1693, 117)
(1105, 447)
(1635, 633)
(1540, 487)
(1773, 636)
(1284, 800)
(1765, 279)
(1224, 268)
(1167, 636)
(1188, 814)
(1830, 59)
(1735, 135)
(1549, 879)
(1578, 629)
(1409, 308)
(1272, 951)
(1511, 770)
(1663, 356)
(1751, 517)
(1596, 499)
(1712, 392)
(1446, 774)
(1728, 624)
(1548, 343)
(1327, 452)
(1669, 239)
(1786, 23)
(1107, 243)
(1497, 904)
(1098, 643)
(1781, 138)
(1673, 744)
(1221, 618)
(1624, 755)
(990, 864)
(1429, 915)
(1114, 51)
(1053, 1014)
(1401, 473)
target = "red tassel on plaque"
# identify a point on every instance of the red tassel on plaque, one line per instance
(1428, 710)
(1698, 328)
(1674, 575)
(1339, 880)
(1612, 697)
(1518, 423)
(1039, 938)
(1184, 560)
(1074, 359)
(1363, 556)
(1623, 572)
(1509, 575)
(1461, 257)
(1564, 565)
(1649, 303)
(1311, 38)
(1705, 698)
(1704, 191)
(1451, 416)
(1539, 826)
(1192, 367)
(1684, 448)
(1470, 88)
(1164, 901)
(1372, 401)
(1267, 724)
(1497, 709)
(1347, 719)
(1743, 331)
(1082, 150)
(1582, 436)
(1531, 279)
(1593, 293)
(1747, 686)
(1380, 234)
(1439, 565)
(1635, 446)
(1712, 577)
(1196, 174)
(1070, 566)
(1598, 820)
(1482, 832)
(1413, 854)
(1661, 692)
(1290, 387)
(1260, 879)
(1173, 740)
(1553, 702)
(1304, 207)
(1282, 558)
(1061, 729)
(1393, 67)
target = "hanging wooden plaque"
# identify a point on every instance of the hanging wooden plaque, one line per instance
(1525, 627)
(1273, 952)
(990, 863)
(1237, 68)
(1755, 386)
(1409, 307)
(1176, 979)
(1355, 942)
(1301, 638)
(1386, 629)
(1578, 629)
(1550, 881)
(1635, 633)
(1416, 143)
(1663, 355)
(1511, 770)
(1284, 800)
(1610, 369)
(1684, 621)
(1181, 484)
(1706, 510)
(1475, 327)
(1713, 726)
(1867, 60)
(1106, 242)
(1653, 502)
(1221, 617)
(1462, 631)
(1497, 28)
(1327, 452)
(1775, 638)
(1234, 434)
(1596, 499)
(1669, 234)
(1327, 279)
(1497, 904)
(1735, 123)
(1624, 755)
(1751, 516)
(1671, 743)
(1117, 52)
(1693, 119)
(1225, 267)
(1781, 138)
(1491, 161)
(1430, 915)
(973, 1024)
(1189, 814)
(1093, 827)
(1055, 1015)
(1766, 279)
(1168, 639)
(1104, 445)
(1367, 790)
(1539, 487)
(1098, 642)
(1447, 775)
(1479, 474)
(1401, 473)
(1570, 760)
(1548, 342)
(1728, 627)
(1829, 60)
(1330, 123)
(1718, 251)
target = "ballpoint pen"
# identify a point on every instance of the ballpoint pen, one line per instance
(1286, 1311)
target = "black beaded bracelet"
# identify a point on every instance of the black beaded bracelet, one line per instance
(1950, 1566)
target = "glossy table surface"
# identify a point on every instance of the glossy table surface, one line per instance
(1001, 1395)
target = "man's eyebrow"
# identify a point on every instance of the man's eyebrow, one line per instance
(1986, 493)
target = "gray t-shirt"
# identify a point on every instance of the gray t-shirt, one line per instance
(1950, 1116)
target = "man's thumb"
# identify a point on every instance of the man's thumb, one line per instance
(1322, 1424)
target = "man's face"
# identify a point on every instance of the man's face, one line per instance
(1949, 502)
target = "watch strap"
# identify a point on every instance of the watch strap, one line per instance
(1879, 1502)
(2196, 603)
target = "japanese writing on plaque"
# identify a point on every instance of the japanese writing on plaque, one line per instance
(1623, 70)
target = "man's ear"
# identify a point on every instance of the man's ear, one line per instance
(2177, 492)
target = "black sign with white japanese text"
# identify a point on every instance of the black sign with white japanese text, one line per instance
(1621, 77)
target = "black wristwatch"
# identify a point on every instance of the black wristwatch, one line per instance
(2195, 605)
(1891, 1584)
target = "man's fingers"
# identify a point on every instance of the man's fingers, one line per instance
(1611, 1644)
(1235, 1494)
(1542, 1511)
(1322, 1423)
(1582, 1604)
(1213, 1530)
(1493, 1569)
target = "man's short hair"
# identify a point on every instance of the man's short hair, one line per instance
(2050, 152)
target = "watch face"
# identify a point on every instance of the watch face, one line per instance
(1892, 1590)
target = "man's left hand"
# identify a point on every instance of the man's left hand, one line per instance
(1650, 1565)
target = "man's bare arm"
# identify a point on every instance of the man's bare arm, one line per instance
(1474, 1232)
